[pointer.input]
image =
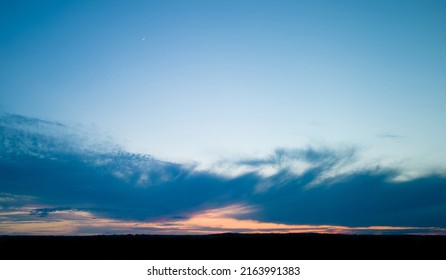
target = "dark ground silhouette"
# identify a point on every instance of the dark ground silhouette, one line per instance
(225, 246)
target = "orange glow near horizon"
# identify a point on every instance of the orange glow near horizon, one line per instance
(217, 220)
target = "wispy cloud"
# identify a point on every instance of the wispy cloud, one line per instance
(8, 200)
(46, 183)
(43, 212)
(391, 136)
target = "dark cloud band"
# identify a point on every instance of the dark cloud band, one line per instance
(116, 184)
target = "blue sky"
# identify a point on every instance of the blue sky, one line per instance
(219, 84)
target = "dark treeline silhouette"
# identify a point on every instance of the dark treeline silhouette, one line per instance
(225, 246)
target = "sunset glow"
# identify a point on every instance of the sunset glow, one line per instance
(199, 117)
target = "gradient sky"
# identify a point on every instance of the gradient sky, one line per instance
(229, 88)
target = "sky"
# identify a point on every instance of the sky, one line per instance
(214, 116)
